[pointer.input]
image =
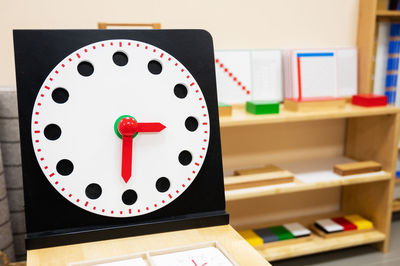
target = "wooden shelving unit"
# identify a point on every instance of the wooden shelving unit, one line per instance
(308, 145)
(371, 12)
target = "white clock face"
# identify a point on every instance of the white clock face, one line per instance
(75, 123)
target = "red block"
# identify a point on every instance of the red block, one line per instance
(347, 225)
(369, 100)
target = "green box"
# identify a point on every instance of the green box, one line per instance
(262, 107)
(281, 232)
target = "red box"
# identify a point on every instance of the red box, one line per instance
(369, 100)
(347, 225)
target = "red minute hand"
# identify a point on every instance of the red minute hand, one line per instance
(128, 127)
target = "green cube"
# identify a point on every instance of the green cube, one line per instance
(281, 232)
(262, 107)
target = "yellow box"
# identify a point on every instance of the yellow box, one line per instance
(251, 237)
(360, 222)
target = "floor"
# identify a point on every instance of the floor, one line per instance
(364, 255)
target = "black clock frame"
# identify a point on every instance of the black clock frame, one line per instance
(52, 220)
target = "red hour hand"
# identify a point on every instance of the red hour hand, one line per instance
(128, 128)
(150, 127)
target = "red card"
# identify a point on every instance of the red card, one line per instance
(347, 226)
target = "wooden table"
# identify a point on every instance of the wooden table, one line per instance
(234, 244)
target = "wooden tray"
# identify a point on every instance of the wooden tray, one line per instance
(322, 234)
(357, 168)
(314, 105)
(147, 256)
(260, 170)
(256, 180)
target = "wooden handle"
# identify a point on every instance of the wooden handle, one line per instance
(104, 25)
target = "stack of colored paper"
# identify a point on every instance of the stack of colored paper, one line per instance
(320, 74)
(248, 75)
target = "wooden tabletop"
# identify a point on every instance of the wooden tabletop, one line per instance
(234, 244)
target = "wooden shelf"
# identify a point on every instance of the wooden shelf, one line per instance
(397, 180)
(310, 175)
(388, 14)
(318, 244)
(241, 118)
(396, 205)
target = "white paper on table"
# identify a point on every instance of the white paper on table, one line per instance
(266, 68)
(200, 257)
(128, 262)
(235, 65)
(347, 71)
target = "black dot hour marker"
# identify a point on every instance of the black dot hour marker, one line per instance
(191, 123)
(120, 59)
(185, 157)
(60, 95)
(65, 167)
(162, 184)
(154, 67)
(180, 91)
(93, 191)
(52, 132)
(85, 68)
(129, 197)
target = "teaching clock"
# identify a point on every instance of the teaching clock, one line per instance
(118, 128)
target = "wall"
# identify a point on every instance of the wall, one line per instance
(234, 23)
